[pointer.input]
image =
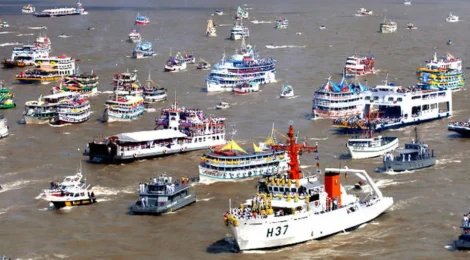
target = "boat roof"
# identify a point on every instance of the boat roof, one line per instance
(406, 151)
(144, 136)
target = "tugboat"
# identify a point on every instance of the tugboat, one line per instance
(414, 155)
(297, 208)
(287, 91)
(370, 146)
(162, 195)
(463, 242)
(3, 127)
(462, 128)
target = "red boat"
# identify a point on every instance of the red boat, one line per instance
(142, 20)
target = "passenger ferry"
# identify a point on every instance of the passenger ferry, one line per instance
(162, 195)
(445, 79)
(338, 100)
(294, 207)
(125, 108)
(186, 58)
(359, 65)
(73, 111)
(63, 11)
(231, 162)
(178, 130)
(390, 106)
(44, 110)
(24, 56)
(247, 65)
(239, 31)
(129, 89)
(388, 27)
(3, 127)
(462, 128)
(143, 49)
(437, 64)
(48, 69)
(84, 83)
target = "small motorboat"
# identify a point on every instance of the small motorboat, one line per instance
(287, 91)
(322, 27)
(28, 9)
(452, 18)
(358, 185)
(411, 26)
(218, 12)
(91, 28)
(407, 2)
(449, 42)
(222, 105)
(203, 65)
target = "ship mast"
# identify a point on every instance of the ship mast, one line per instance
(294, 150)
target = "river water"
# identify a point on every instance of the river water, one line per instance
(428, 203)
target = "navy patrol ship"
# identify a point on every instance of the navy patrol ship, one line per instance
(162, 195)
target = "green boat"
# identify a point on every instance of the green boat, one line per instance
(6, 98)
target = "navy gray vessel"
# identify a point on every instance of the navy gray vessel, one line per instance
(414, 155)
(463, 242)
(162, 195)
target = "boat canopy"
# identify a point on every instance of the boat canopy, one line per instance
(257, 149)
(232, 146)
(406, 151)
(145, 136)
(271, 141)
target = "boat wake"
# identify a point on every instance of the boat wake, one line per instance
(5, 32)
(206, 199)
(25, 34)
(150, 110)
(37, 28)
(10, 44)
(104, 194)
(284, 46)
(64, 36)
(46, 83)
(318, 139)
(66, 133)
(106, 92)
(258, 22)
(402, 204)
(289, 97)
(16, 185)
(447, 161)
(62, 125)
(222, 25)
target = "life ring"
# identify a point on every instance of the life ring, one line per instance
(182, 149)
(134, 155)
(317, 204)
(164, 151)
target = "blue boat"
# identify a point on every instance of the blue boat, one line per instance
(143, 49)
(140, 19)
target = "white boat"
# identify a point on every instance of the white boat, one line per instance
(210, 30)
(63, 11)
(218, 12)
(411, 26)
(359, 65)
(239, 31)
(77, 110)
(25, 55)
(123, 109)
(322, 27)
(452, 18)
(58, 189)
(241, 14)
(3, 127)
(48, 69)
(174, 65)
(153, 92)
(28, 9)
(371, 146)
(388, 26)
(442, 63)
(76, 196)
(364, 12)
(203, 65)
(222, 105)
(4, 24)
(287, 91)
(134, 36)
(407, 2)
(45, 109)
(282, 23)
(246, 87)
(296, 209)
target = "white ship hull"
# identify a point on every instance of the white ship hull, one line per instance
(371, 152)
(151, 99)
(301, 227)
(175, 68)
(212, 176)
(212, 86)
(3, 132)
(35, 120)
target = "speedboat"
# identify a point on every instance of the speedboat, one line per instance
(282, 23)
(4, 24)
(58, 189)
(203, 65)
(287, 91)
(364, 12)
(452, 18)
(28, 9)
(411, 26)
(222, 105)
(218, 12)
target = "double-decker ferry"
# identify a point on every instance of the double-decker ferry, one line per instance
(444, 62)
(338, 100)
(24, 56)
(359, 66)
(63, 11)
(442, 73)
(84, 83)
(178, 130)
(125, 108)
(44, 110)
(73, 111)
(243, 66)
(390, 106)
(48, 69)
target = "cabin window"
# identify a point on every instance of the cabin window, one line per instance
(281, 189)
(270, 188)
(200, 139)
(218, 138)
(390, 99)
(376, 98)
(293, 190)
(367, 98)
(400, 99)
(276, 189)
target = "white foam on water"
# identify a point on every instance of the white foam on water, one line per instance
(8, 173)
(66, 133)
(68, 208)
(45, 82)
(37, 27)
(3, 157)
(206, 199)
(293, 97)
(447, 161)
(319, 139)
(221, 25)
(15, 185)
(61, 125)
(61, 256)
(362, 226)
(25, 34)
(306, 166)
(150, 110)
(5, 32)
(284, 46)
(402, 204)
(298, 33)
(258, 22)
(10, 44)
(64, 36)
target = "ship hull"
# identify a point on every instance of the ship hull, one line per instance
(460, 130)
(82, 202)
(34, 120)
(3, 133)
(371, 152)
(55, 15)
(400, 166)
(275, 232)
(139, 210)
(34, 80)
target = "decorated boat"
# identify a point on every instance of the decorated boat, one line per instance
(452, 18)
(287, 91)
(178, 130)
(241, 14)
(134, 36)
(129, 89)
(294, 207)
(388, 26)
(163, 195)
(364, 12)
(43, 42)
(48, 69)
(3, 126)
(28, 9)
(411, 26)
(84, 83)
(239, 31)
(174, 65)
(153, 92)
(125, 108)
(388, 106)
(282, 23)
(6, 97)
(58, 189)
(231, 162)
(63, 11)
(370, 146)
(141, 20)
(246, 87)
(440, 64)
(242, 66)
(125, 77)
(24, 56)
(210, 30)
(44, 110)
(203, 65)
(359, 65)
(185, 58)
(462, 128)
(73, 111)
(342, 99)
(143, 49)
